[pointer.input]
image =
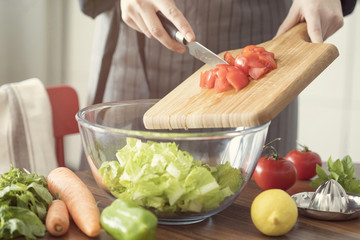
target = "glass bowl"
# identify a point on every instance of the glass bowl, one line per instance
(182, 176)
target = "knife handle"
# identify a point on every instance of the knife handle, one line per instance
(171, 29)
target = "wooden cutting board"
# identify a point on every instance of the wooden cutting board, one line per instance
(189, 106)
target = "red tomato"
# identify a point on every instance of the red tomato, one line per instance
(242, 63)
(270, 54)
(237, 79)
(221, 83)
(305, 162)
(270, 173)
(268, 61)
(254, 61)
(248, 50)
(257, 73)
(229, 58)
(207, 79)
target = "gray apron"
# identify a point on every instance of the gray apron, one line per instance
(126, 65)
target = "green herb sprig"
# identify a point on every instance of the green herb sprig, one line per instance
(342, 171)
(24, 200)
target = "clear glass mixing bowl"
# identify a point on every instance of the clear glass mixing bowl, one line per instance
(105, 128)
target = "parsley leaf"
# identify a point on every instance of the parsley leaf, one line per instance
(24, 199)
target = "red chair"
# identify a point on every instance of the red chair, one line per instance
(65, 104)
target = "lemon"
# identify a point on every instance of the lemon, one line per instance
(274, 212)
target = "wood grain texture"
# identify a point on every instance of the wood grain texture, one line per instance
(232, 223)
(189, 106)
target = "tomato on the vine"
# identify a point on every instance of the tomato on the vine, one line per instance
(305, 162)
(273, 171)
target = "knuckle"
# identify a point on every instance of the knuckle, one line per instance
(126, 18)
(156, 31)
(173, 11)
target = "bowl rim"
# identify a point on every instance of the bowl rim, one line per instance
(219, 133)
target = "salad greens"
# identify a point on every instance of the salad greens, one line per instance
(161, 176)
(341, 171)
(24, 199)
(18, 221)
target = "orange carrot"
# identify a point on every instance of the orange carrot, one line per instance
(57, 218)
(78, 199)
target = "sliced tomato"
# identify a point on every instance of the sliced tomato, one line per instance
(237, 79)
(229, 58)
(207, 78)
(202, 79)
(258, 49)
(257, 73)
(232, 68)
(221, 83)
(266, 53)
(254, 61)
(248, 50)
(221, 73)
(268, 61)
(242, 63)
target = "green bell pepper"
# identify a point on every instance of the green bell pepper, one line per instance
(125, 220)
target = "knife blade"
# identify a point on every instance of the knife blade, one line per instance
(195, 48)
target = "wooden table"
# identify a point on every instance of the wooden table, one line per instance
(232, 223)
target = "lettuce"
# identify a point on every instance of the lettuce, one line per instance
(163, 177)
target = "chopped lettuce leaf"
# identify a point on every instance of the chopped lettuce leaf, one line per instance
(163, 177)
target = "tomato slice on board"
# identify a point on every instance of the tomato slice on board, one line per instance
(202, 79)
(254, 61)
(268, 61)
(229, 58)
(257, 73)
(242, 63)
(266, 53)
(221, 83)
(237, 79)
(248, 50)
(207, 79)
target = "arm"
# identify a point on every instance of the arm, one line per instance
(323, 17)
(92, 8)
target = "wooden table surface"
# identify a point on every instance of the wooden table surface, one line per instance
(232, 223)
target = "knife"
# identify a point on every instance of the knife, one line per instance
(195, 49)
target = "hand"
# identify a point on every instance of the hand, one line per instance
(323, 18)
(141, 16)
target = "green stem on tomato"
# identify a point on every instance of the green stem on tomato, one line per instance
(274, 154)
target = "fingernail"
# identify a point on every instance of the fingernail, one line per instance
(189, 37)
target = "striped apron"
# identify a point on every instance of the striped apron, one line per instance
(126, 65)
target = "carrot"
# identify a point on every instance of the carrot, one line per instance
(57, 218)
(78, 199)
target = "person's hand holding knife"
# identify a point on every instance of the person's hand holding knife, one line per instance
(141, 16)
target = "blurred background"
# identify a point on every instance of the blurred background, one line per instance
(52, 41)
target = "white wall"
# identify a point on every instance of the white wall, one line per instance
(329, 110)
(78, 39)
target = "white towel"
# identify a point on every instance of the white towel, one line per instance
(26, 131)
